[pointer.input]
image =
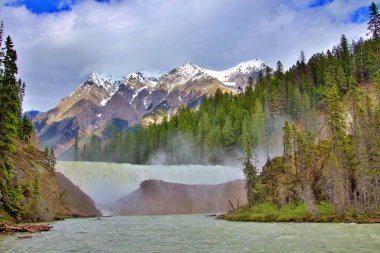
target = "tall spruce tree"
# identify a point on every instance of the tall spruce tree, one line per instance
(374, 21)
(249, 169)
(9, 99)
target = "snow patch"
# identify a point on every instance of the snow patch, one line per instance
(104, 101)
(149, 78)
(242, 68)
(109, 83)
(136, 93)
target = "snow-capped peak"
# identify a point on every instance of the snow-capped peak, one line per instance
(100, 78)
(248, 66)
(109, 83)
(189, 69)
(148, 77)
(152, 74)
(183, 74)
(244, 68)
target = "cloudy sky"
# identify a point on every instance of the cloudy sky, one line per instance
(60, 42)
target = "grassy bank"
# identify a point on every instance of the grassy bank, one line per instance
(268, 212)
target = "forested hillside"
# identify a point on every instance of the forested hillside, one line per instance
(216, 129)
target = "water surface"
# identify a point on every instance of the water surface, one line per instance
(195, 233)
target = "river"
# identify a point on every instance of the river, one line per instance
(194, 233)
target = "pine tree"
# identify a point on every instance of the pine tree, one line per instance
(76, 149)
(336, 115)
(21, 95)
(9, 99)
(46, 157)
(374, 21)
(279, 70)
(26, 129)
(52, 160)
(49, 159)
(345, 58)
(249, 170)
(1, 51)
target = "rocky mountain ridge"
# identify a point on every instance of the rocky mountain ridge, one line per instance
(141, 97)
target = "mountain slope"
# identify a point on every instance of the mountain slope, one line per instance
(141, 97)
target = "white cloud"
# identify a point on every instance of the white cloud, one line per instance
(57, 51)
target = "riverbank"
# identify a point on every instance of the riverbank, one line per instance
(11, 228)
(268, 212)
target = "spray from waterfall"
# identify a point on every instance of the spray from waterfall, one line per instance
(105, 183)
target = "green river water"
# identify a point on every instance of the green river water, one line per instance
(195, 233)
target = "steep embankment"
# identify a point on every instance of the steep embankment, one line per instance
(36, 193)
(74, 202)
(159, 197)
(28, 168)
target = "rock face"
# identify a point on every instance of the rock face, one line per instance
(72, 201)
(159, 197)
(144, 97)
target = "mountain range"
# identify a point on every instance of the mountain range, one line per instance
(104, 103)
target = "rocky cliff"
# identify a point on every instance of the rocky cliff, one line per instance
(72, 200)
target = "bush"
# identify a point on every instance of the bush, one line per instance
(325, 208)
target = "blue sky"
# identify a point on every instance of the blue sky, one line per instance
(318, 3)
(60, 42)
(47, 6)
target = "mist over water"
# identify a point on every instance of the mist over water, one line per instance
(105, 183)
(267, 145)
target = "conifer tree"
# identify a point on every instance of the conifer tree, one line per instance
(374, 21)
(1, 50)
(76, 149)
(249, 170)
(52, 159)
(26, 129)
(279, 70)
(345, 58)
(9, 99)
(336, 114)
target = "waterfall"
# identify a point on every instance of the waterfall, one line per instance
(105, 183)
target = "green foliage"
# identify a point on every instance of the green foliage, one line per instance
(26, 129)
(15, 199)
(49, 159)
(325, 208)
(9, 98)
(14, 194)
(374, 22)
(269, 212)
